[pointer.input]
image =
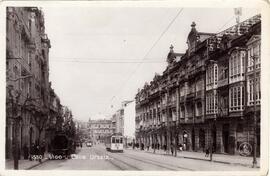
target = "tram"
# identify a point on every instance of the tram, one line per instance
(114, 143)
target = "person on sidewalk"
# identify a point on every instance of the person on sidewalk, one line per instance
(207, 152)
(43, 148)
(181, 147)
(25, 152)
(32, 151)
(172, 148)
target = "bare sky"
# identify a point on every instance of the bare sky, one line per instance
(89, 46)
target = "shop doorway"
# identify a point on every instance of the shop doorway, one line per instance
(193, 139)
(225, 137)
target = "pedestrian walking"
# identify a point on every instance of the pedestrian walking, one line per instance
(181, 147)
(172, 148)
(165, 147)
(38, 152)
(25, 152)
(207, 152)
(42, 148)
(32, 151)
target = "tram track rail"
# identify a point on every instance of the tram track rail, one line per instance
(98, 152)
(160, 164)
(149, 161)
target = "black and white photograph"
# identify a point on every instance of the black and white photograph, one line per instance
(143, 88)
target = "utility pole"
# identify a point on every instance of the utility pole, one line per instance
(177, 120)
(254, 163)
(167, 119)
(16, 119)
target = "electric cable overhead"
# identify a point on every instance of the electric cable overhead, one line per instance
(225, 24)
(109, 62)
(155, 43)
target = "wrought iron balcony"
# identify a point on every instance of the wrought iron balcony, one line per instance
(182, 98)
(198, 119)
(223, 82)
(190, 95)
(200, 94)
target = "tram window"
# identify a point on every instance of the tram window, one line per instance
(121, 140)
(117, 140)
(113, 139)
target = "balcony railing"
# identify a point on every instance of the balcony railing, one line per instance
(172, 103)
(182, 120)
(182, 98)
(223, 82)
(189, 120)
(198, 119)
(190, 95)
(199, 94)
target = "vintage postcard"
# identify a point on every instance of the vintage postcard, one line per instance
(153, 88)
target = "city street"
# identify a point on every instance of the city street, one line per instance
(97, 158)
(182, 86)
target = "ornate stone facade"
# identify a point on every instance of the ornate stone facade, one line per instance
(204, 97)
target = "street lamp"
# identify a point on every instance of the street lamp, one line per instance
(254, 163)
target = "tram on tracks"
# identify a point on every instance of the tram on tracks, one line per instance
(114, 143)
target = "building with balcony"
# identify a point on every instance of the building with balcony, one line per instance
(27, 71)
(205, 97)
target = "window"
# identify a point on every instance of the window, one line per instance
(236, 98)
(211, 103)
(182, 111)
(243, 96)
(237, 66)
(211, 76)
(117, 140)
(254, 55)
(251, 96)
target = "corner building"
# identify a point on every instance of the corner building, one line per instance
(206, 96)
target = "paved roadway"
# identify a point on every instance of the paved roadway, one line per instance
(97, 158)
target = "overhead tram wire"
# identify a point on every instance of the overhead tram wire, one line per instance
(160, 38)
(148, 52)
(225, 24)
(109, 62)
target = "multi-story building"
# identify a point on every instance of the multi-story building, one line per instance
(27, 71)
(129, 120)
(124, 120)
(55, 117)
(100, 129)
(119, 121)
(205, 97)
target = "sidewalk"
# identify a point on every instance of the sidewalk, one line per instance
(24, 164)
(218, 158)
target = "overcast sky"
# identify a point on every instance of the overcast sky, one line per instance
(90, 48)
